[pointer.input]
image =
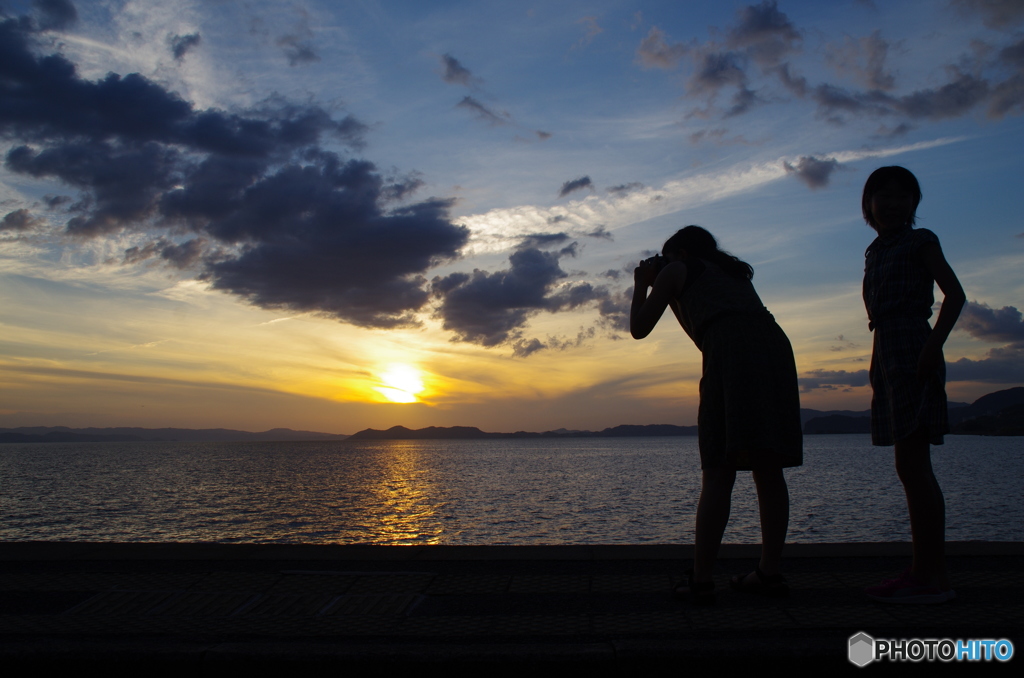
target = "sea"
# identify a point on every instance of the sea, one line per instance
(541, 491)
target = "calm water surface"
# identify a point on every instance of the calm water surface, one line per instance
(575, 491)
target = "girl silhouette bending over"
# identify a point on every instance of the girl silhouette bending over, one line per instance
(749, 416)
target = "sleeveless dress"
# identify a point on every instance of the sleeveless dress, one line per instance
(898, 295)
(749, 415)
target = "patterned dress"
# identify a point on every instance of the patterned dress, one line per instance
(749, 414)
(898, 294)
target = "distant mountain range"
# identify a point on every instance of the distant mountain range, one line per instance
(999, 413)
(996, 414)
(471, 432)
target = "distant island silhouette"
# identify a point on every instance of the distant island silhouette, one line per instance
(997, 414)
(1000, 414)
(473, 433)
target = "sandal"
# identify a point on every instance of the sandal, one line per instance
(773, 586)
(696, 592)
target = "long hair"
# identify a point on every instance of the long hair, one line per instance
(902, 177)
(699, 243)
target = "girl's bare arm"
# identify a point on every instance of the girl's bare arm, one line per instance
(646, 311)
(952, 303)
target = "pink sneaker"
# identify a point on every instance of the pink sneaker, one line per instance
(907, 589)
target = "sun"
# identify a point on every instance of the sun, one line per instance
(401, 383)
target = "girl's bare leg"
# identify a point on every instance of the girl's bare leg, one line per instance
(927, 509)
(712, 517)
(773, 505)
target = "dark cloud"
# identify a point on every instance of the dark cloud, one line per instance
(655, 52)
(795, 84)
(897, 131)
(297, 45)
(521, 348)
(574, 185)
(742, 101)
(623, 189)
(278, 220)
(483, 112)
(55, 201)
(455, 73)
(988, 324)
(700, 135)
(761, 35)
(948, 101)
(557, 219)
(1008, 96)
(995, 13)
(134, 255)
(182, 44)
(543, 240)
(765, 34)
(833, 101)
(19, 220)
(601, 233)
(298, 49)
(612, 273)
(716, 70)
(844, 345)
(492, 308)
(1001, 366)
(813, 171)
(55, 14)
(958, 97)
(832, 379)
(864, 59)
(184, 255)
(764, 37)
(179, 256)
(124, 184)
(44, 100)
(614, 308)
(1013, 55)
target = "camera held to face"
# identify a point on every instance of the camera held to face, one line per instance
(657, 261)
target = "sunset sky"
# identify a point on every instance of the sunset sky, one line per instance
(332, 216)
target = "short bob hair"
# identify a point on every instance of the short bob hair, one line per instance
(902, 177)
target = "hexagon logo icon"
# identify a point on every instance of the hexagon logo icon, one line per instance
(861, 649)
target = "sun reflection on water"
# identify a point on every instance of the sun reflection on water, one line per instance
(406, 509)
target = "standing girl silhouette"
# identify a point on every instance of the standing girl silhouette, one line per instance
(908, 408)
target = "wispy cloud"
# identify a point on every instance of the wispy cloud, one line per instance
(498, 229)
(484, 113)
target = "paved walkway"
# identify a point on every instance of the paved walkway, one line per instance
(496, 607)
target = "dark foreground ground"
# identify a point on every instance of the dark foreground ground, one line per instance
(492, 610)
